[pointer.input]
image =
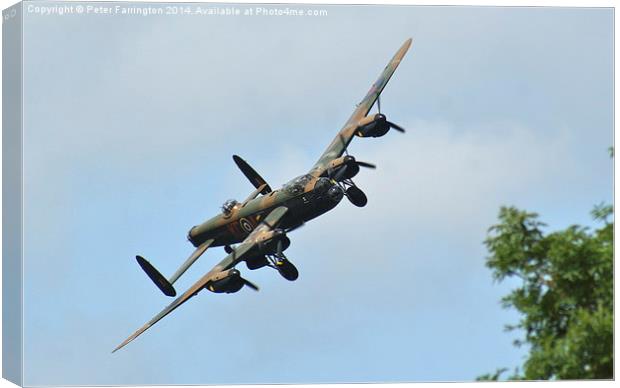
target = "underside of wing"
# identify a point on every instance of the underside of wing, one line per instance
(222, 271)
(337, 147)
(265, 231)
(193, 290)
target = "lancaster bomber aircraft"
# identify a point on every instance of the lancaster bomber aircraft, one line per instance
(259, 225)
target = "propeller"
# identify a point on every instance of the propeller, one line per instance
(391, 124)
(365, 164)
(354, 194)
(237, 273)
(245, 281)
(337, 174)
(396, 127)
(381, 117)
(249, 284)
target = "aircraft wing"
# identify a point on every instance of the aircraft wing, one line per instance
(193, 290)
(341, 141)
(260, 233)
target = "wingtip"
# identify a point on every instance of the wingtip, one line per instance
(408, 43)
(132, 337)
(128, 340)
(115, 349)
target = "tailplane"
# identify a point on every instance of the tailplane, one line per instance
(165, 285)
(160, 281)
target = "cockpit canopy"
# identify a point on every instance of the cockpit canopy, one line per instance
(228, 206)
(297, 185)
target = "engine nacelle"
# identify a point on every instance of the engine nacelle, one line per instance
(352, 167)
(271, 246)
(373, 126)
(267, 247)
(256, 262)
(226, 282)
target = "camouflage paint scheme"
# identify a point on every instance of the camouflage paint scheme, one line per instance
(226, 229)
(260, 223)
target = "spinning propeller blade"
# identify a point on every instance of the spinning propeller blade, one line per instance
(391, 124)
(396, 127)
(365, 164)
(250, 284)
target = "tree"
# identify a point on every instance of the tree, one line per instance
(565, 297)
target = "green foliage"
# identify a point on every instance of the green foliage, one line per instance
(565, 297)
(492, 377)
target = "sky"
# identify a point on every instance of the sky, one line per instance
(129, 126)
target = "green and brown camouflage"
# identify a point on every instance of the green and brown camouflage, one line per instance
(222, 272)
(351, 128)
(236, 225)
(259, 224)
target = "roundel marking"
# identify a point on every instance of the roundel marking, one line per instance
(246, 225)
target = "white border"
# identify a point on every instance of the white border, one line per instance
(558, 3)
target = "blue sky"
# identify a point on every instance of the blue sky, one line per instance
(130, 124)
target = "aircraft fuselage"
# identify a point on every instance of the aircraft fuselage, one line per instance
(306, 197)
